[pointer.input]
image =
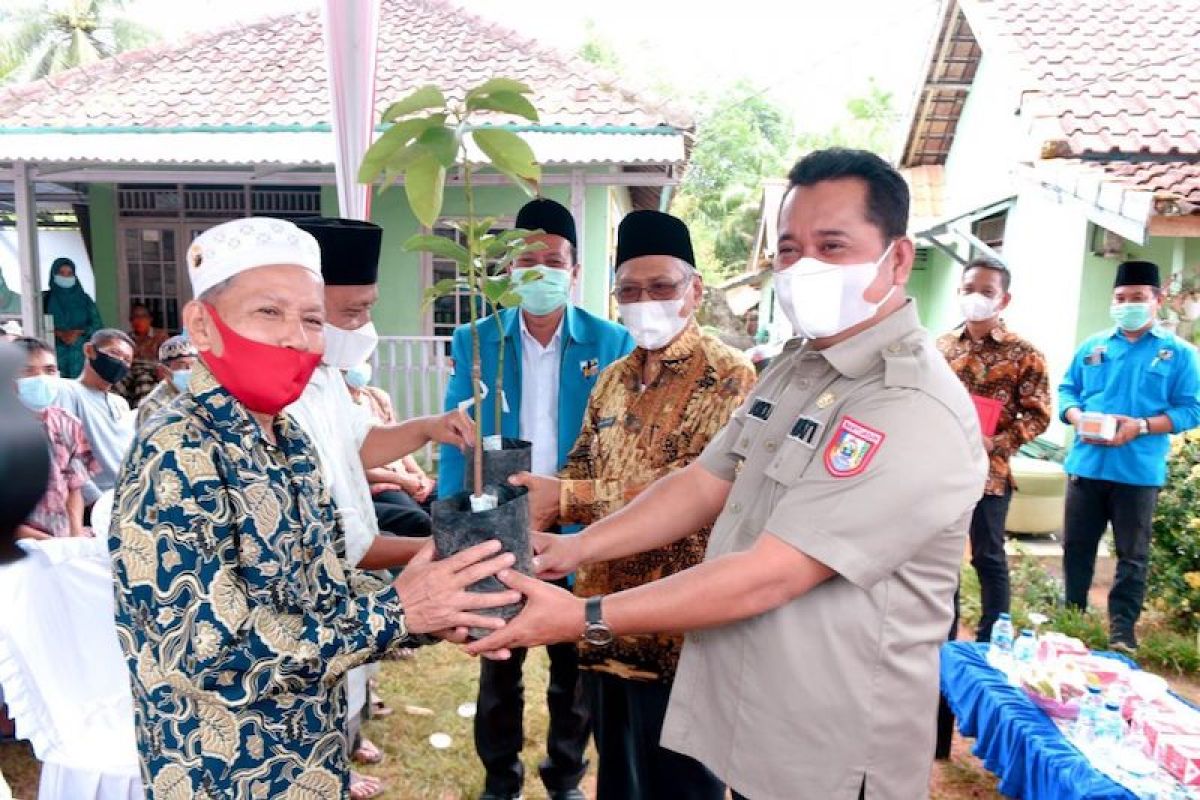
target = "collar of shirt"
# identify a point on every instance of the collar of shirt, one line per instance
(227, 412)
(675, 356)
(999, 334)
(1157, 331)
(855, 356)
(528, 340)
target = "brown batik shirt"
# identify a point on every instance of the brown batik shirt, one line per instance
(1004, 367)
(631, 436)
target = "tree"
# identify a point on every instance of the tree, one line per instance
(869, 124)
(55, 35)
(598, 49)
(741, 140)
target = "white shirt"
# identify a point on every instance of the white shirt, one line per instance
(540, 369)
(333, 421)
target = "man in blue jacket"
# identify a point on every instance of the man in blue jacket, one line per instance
(553, 353)
(1149, 380)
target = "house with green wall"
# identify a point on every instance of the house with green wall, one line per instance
(1061, 137)
(156, 145)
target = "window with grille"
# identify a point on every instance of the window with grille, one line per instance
(990, 231)
(151, 263)
(216, 202)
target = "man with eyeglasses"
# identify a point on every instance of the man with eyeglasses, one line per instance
(652, 413)
(553, 354)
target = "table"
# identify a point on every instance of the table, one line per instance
(1014, 738)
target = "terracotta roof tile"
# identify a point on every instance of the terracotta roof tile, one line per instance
(1177, 180)
(272, 72)
(1122, 76)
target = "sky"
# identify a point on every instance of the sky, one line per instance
(809, 56)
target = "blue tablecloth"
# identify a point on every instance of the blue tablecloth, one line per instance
(1014, 738)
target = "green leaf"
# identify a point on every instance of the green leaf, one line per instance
(439, 246)
(442, 142)
(494, 85)
(495, 288)
(531, 276)
(510, 154)
(445, 286)
(394, 141)
(424, 183)
(507, 103)
(510, 300)
(425, 97)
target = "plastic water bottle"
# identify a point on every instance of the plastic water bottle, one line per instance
(1090, 707)
(1110, 727)
(1000, 650)
(1025, 649)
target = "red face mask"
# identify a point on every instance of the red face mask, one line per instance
(264, 377)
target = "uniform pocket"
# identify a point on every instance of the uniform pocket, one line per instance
(790, 462)
(1094, 377)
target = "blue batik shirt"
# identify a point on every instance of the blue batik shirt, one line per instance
(234, 609)
(1157, 374)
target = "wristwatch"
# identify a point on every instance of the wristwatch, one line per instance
(595, 630)
(1143, 426)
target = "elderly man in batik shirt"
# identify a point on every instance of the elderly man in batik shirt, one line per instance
(234, 608)
(651, 413)
(1006, 377)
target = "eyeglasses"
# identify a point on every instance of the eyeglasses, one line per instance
(659, 290)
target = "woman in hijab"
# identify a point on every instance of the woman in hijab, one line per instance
(75, 315)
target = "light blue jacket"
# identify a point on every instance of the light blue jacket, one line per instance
(589, 345)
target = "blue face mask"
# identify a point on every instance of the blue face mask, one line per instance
(37, 391)
(180, 378)
(359, 376)
(1131, 316)
(64, 281)
(544, 296)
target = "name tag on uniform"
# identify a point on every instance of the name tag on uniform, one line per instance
(761, 409)
(1096, 356)
(590, 367)
(805, 431)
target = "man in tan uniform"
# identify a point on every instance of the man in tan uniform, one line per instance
(842, 490)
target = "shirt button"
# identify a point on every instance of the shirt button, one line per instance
(804, 383)
(771, 446)
(744, 443)
(894, 348)
(735, 507)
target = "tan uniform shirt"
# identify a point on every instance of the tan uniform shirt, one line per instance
(867, 457)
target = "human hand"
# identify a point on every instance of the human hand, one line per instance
(989, 443)
(453, 428)
(557, 555)
(1127, 431)
(426, 489)
(434, 593)
(380, 488)
(543, 498)
(551, 614)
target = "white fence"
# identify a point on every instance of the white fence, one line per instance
(414, 371)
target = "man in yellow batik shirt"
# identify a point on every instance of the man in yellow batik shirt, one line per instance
(651, 413)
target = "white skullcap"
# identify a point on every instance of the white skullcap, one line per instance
(241, 244)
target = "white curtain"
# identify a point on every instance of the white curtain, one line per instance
(351, 41)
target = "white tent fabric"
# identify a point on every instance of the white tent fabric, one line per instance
(62, 673)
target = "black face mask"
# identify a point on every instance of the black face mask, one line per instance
(110, 370)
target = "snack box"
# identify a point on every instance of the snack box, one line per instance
(1180, 756)
(1052, 645)
(1156, 726)
(1094, 425)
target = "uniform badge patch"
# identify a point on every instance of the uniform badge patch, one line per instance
(761, 409)
(590, 367)
(805, 430)
(851, 448)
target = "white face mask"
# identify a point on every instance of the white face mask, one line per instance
(822, 299)
(654, 323)
(346, 349)
(977, 307)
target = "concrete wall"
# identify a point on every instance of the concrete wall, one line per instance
(987, 142)
(102, 205)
